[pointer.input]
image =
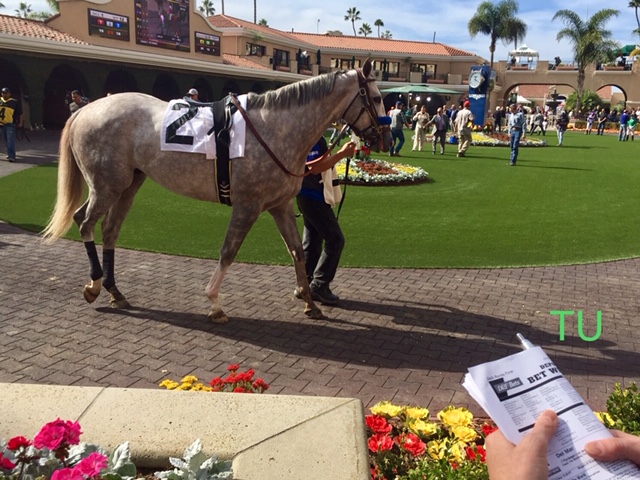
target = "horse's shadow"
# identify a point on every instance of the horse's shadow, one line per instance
(405, 335)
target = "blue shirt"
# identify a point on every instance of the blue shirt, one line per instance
(517, 122)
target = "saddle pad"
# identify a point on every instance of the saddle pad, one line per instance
(185, 129)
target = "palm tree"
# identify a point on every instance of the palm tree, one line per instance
(263, 22)
(387, 34)
(635, 4)
(590, 41)
(24, 10)
(1, 5)
(207, 8)
(54, 5)
(365, 29)
(255, 11)
(379, 23)
(222, 2)
(352, 15)
(499, 21)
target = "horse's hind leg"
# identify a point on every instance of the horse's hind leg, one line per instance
(242, 219)
(111, 226)
(285, 218)
(86, 223)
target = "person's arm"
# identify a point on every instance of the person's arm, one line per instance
(327, 161)
(621, 446)
(526, 461)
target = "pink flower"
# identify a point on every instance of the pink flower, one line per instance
(67, 474)
(5, 463)
(18, 442)
(58, 434)
(92, 465)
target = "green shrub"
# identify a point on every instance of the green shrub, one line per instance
(623, 406)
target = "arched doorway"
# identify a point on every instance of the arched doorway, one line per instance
(57, 94)
(230, 87)
(166, 88)
(205, 93)
(119, 81)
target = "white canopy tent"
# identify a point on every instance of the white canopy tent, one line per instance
(522, 101)
(525, 53)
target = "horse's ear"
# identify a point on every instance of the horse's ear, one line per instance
(366, 68)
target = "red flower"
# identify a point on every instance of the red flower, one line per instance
(454, 465)
(479, 454)
(5, 463)
(261, 385)
(487, 429)
(378, 424)
(17, 442)
(412, 444)
(380, 443)
(239, 390)
(233, 367)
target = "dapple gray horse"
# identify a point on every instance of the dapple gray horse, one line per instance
(113, 145)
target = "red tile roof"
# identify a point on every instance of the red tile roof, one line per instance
(240, 61)
(34, 29)
(346, 42)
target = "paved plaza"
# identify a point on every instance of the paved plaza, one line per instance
(403, 335)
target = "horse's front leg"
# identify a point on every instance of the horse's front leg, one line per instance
(285, 218)
(242, 219)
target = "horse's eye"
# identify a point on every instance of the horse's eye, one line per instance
(377, 99)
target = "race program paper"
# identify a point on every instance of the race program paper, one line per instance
(515, 390)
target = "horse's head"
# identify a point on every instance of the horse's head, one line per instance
(365, 114)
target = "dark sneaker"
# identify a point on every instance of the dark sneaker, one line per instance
(11, 159)
(324, 295)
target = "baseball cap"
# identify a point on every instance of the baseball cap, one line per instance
(398, 103)
(192, 91)
(467, 103)
(5, 90)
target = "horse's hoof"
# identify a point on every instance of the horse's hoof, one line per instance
(218, 316)
(314, 312)
(120, 303)
(89, 296)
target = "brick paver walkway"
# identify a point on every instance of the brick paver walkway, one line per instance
(402, 335)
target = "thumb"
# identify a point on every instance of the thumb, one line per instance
(543, 431)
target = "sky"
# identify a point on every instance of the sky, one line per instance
(446, 21)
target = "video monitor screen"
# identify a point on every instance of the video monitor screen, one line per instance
(207, 43)
(108, 25)
(163, 23)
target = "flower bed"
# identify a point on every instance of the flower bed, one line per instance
(371, 171)
(502, 140)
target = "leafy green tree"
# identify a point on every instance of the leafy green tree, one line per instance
(379, 23)
(590, 100)
(365, 29)
(635, 4)
(387, 35)
(590, 40)
(24, 10)
(1, 5)
(54, 5)
(263, 22)
(499, 21)
(207, 8)
(352, 15)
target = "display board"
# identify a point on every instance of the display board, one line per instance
(108, 25)
(207, 43)
(163, 23)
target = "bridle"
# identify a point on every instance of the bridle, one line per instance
(375, 132)
(379, 125)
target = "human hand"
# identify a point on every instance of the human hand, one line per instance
(349, 149)
(621, 446)
(528, 460)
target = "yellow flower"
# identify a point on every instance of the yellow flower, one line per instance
(386, 409)
(463, 433)
(199, 387)
(605, 418)
(452, 416)
(457, 452)
(416, 412)
(422, 428)
(184, 386)
(169, 384)
(437, 450)
(190, 379)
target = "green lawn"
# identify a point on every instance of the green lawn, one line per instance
(560, 205)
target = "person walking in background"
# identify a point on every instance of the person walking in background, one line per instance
(517, 131)
(602, 122)
(498, 117)
(631, 125)
(440, 123)
(10, 120)
(77, 102)
(591, 118)
(561, 125)
(622, 134)
(420, 120)
(463, 122)
(316, 201)
(398, 122)
(193, 94)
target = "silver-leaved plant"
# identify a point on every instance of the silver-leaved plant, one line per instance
(197, 466)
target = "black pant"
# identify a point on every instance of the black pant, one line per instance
(439, 136)
(320, 225)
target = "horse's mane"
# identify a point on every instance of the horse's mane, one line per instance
(295, 94)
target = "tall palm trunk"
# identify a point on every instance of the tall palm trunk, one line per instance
(222, 7)
(255, 11)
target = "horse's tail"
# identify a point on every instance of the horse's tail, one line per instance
(70, 189)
